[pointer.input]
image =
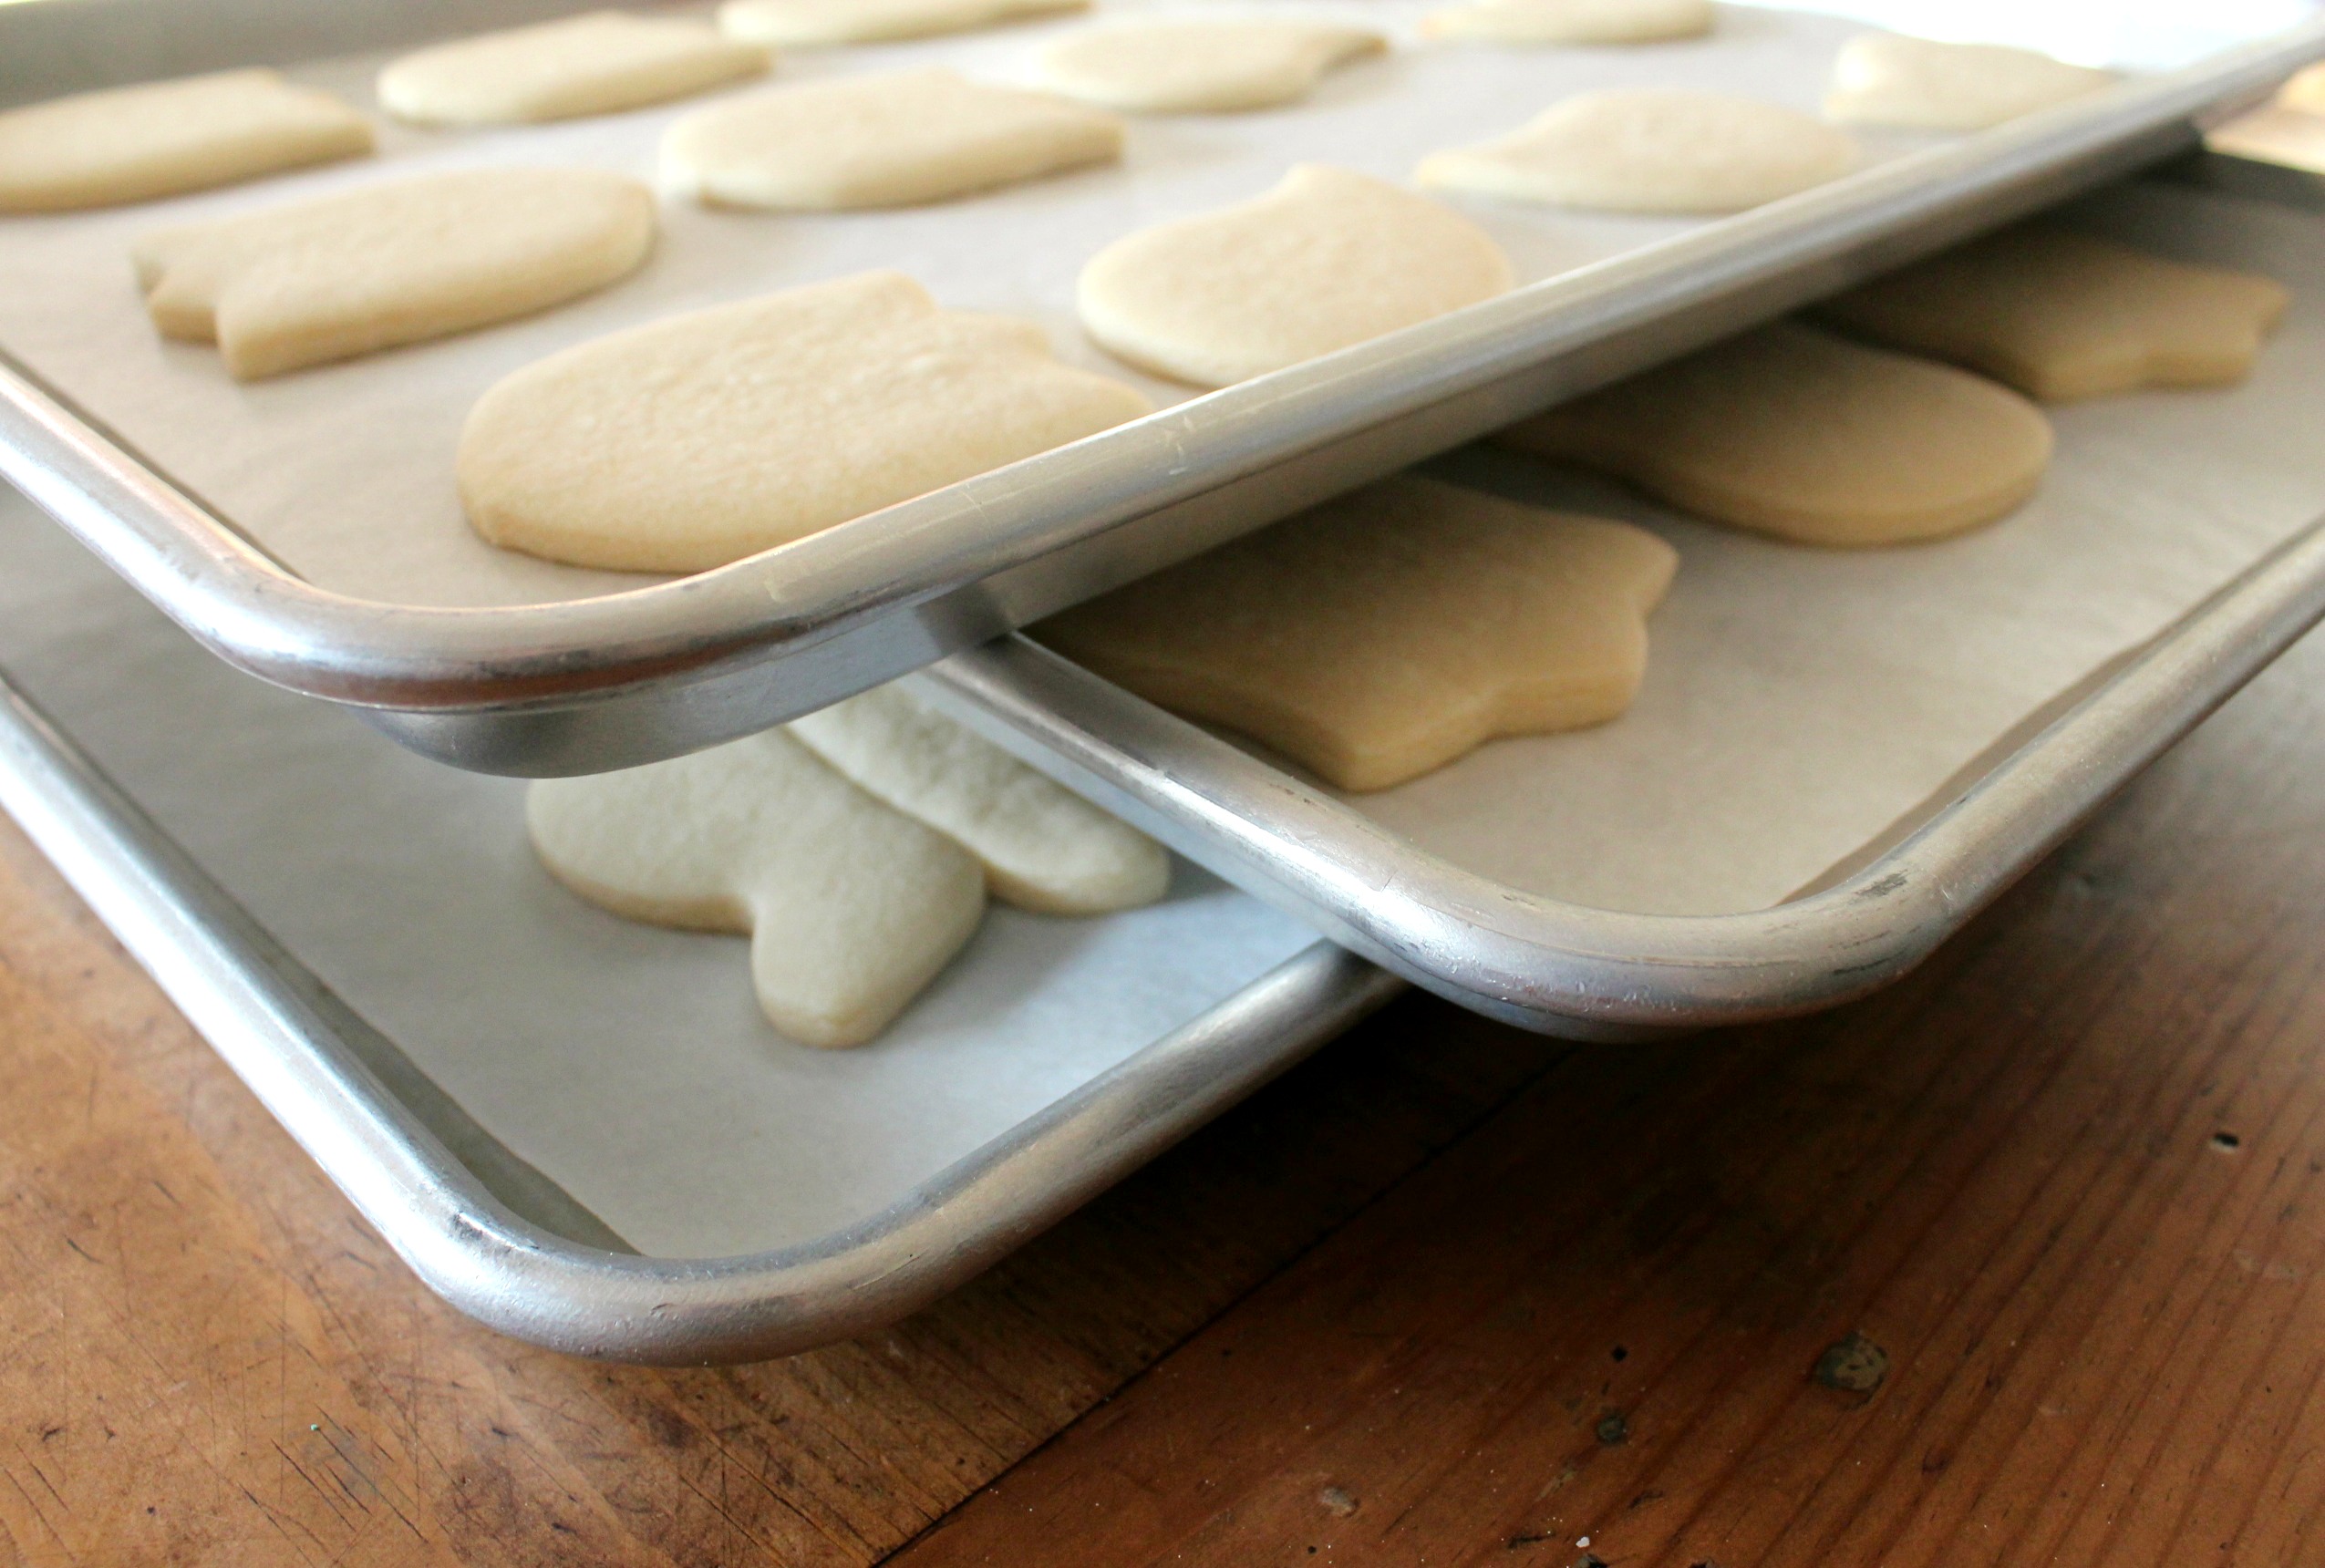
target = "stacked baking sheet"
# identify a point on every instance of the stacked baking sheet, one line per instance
(1813, 723)
(514, 1086)
(344, 476)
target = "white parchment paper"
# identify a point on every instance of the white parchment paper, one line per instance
(1797, 702)
(345, 472)
(628, 1064)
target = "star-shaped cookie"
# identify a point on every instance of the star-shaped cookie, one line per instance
(1385, 633)
(2062, 316)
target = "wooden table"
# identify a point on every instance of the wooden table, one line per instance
(2017, 1263)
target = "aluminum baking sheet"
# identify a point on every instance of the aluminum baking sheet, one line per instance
(629, 1066)
(1802, 709)
(344, 474)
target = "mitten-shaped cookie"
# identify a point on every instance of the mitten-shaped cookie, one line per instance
(851, 907)
(391, 263)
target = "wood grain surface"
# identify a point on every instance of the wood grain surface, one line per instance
(207, 1357)
(2017, 1263)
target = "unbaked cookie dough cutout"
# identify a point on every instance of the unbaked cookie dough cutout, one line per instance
(600, 62)
(1792, 431)
(1648, 149)
(855, 848)
(1383, 634)
(1327, 259)
(2062, 316)
(851, 906)
(696, 440)
(2305, 92)
(1195, 66)
(391, 263)
(1572, 21)
(811, 22)
(1918, 84)
(1043, 847)
(883, 140)
(162, 139)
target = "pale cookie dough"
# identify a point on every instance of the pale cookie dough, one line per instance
(1043, 847)
(1794, 432)
(1181, 66)
(1646, 150)
(159, 139)
(1916, 84)
(880, 142)
(851, 907)
(1327, 259)
(2061, 315)
(1572, 21)
(596, 63)
(696, 440)
(873, 21)
(1385, 633)
(2305, 92)
(397, 262)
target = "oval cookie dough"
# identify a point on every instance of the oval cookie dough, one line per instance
(1640, 149)
(1917, 84)
(1043, 847)
(1383, 634)
(1327, 259)
(160, 139)
(1572, 21)
(2061, 315)
(880, 142)
(693, 441)
(1794, 432)
(1195, 66)
(596, 63)
(851, 907)
(873, 21)
(391, 263)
